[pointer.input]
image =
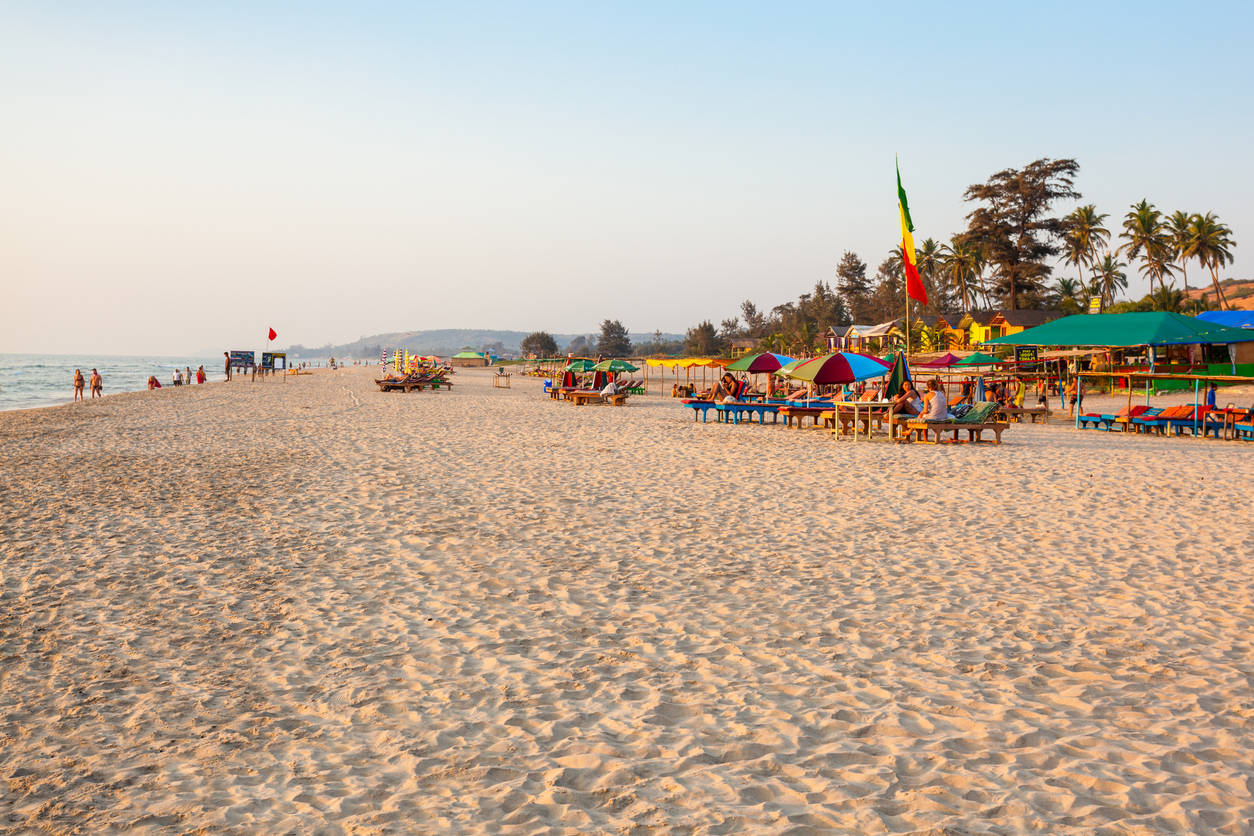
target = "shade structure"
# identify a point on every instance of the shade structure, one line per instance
(615, 365)
(580, 366)
(1125, 330)
(978, 359)
(946, 360)
(759, 363)
(899, 376)
(1233, 319)
(840, 367)
(468, 355)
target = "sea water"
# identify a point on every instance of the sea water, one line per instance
(31, 380)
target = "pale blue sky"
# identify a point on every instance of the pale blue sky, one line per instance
(179, 177)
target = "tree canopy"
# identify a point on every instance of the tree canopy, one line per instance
(1013, 227)
(539, 343)
(614, 340)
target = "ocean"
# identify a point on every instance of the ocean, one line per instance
(31, 380)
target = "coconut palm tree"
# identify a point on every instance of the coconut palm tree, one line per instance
(1073, 289)
(1210, 243)
(1084, 233)
(1167, 299)
(1109, 277)
(1178, 228)
(1145, 235)
(961, 265)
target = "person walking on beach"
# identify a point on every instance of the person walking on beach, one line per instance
(97, 384)
(78, 384)
(227, 361)
(187, 374)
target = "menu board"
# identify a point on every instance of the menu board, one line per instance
(1026, 354)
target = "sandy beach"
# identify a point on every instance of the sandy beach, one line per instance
(308, 606)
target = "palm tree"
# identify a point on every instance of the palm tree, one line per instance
(961, 264)
(1178, 228)
(929, 264)
(1167, 299)
(1073, 289)
(1145, 234)
(1083, 235)
(1210, 242)
(1109, 278)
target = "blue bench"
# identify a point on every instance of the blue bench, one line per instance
(733, 412)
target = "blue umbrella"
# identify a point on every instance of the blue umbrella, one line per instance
(979, 389)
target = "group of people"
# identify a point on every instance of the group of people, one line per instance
(97, 385)
(180, 377)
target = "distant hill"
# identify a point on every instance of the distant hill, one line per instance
(442, 342)
(1238, 292)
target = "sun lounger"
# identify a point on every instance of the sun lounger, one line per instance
(974, 423)
(408, 383)
(1245, 432)
(1107, 421)
(1188, 421)
(1146, 422)
(798, 414)
(698, 405)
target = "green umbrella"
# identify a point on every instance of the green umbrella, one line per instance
(615, 366)
(978, 359)
(580, 366)
(788, 367)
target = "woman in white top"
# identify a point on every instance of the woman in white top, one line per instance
(934, 406)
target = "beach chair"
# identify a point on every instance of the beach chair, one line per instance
(1193, 419)
(1146, 422)
(981, 417)
(1122, 417)
(1244, 432)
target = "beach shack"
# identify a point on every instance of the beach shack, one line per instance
(469, 359)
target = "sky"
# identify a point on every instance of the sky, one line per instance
(182, 177)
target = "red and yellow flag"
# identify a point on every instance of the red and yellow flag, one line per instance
(914, 285)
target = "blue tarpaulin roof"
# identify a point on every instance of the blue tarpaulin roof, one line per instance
(1233, 319)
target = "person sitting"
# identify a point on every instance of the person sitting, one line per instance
(610, 390)
(153, 383)
(908, 401)
(934, 406)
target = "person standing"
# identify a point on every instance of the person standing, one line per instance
(187, 374)
(97, 384)
(227, 355)
(201, 377)
(78, 385)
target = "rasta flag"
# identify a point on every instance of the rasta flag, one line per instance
(914, 285)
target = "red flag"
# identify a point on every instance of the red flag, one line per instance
(273, 334)
(914, 285)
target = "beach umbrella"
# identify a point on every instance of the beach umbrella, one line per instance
(615, 366)
(758, 363)
(840, 367)
(785, 369)
(944, 361)
(978, 359)
(979, 389)
(899, 376)
(580, 366)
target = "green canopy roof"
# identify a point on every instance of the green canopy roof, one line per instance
(1126, 329)
(615, 365)
(978, 359)
(467, 355)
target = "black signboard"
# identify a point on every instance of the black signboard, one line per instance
(243, 359)
(271, 360)
(1025, 354)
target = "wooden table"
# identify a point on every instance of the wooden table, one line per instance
(500, 381)
(884, 408)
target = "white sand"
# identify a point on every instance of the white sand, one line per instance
(309, 606)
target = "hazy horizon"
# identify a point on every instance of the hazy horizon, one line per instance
(179, 178)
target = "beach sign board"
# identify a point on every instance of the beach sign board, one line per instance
(270, 358)
(1095, 304)
(242, 359)
(1026, 354)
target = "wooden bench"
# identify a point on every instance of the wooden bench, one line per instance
(917, 429)
(400, 385)
(733, 411)
(800, 413)
(582, 398)
(1016, 413)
